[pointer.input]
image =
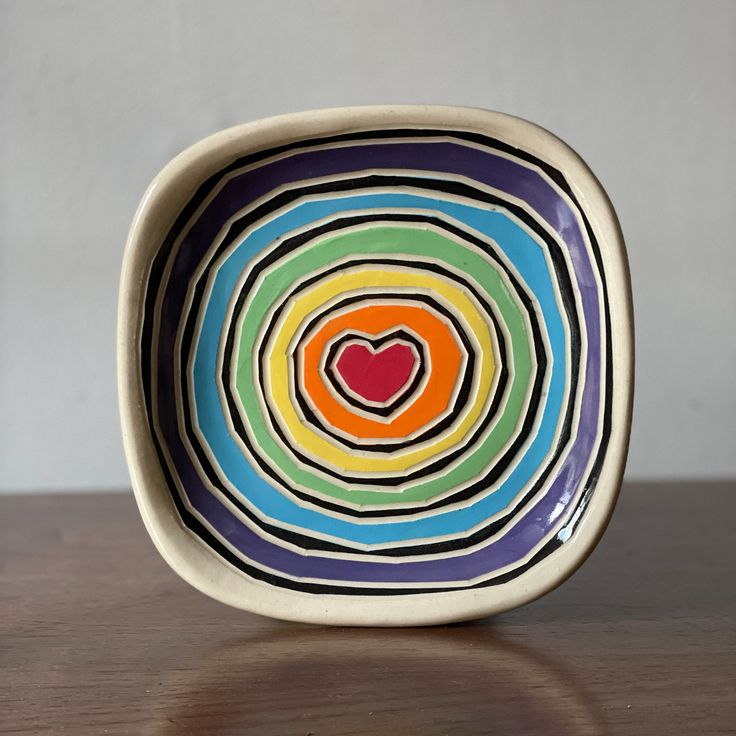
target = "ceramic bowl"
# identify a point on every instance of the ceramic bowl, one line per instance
(375, 364)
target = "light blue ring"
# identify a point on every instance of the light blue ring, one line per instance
(526, 256)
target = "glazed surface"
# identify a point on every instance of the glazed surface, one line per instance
(489, 465)
(376, 364)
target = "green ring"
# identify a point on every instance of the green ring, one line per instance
(369, 242)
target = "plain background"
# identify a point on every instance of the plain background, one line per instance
(97, 96)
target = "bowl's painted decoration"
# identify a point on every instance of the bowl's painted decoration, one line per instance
(380, 366)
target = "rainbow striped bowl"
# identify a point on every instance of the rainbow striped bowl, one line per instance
(375, 364)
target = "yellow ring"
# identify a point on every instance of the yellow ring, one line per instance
(277, 378)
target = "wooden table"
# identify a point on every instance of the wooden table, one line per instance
(99, 636)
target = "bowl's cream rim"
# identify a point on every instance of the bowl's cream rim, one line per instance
(200, 566)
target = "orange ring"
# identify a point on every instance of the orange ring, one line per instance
(444, 364)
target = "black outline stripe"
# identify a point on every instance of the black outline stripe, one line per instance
(436, 429)
(464, 390)
(400, 396)
(155, 276)
(235, 232)
(403, 550)
(292, 537)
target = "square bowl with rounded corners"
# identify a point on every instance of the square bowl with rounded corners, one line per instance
(375, 364)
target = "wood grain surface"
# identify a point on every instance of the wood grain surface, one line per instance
(100, 637)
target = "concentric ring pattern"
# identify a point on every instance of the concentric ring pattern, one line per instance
(379, 363)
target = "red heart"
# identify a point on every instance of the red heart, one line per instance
(376, 375)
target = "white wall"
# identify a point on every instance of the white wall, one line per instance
(97, 96)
